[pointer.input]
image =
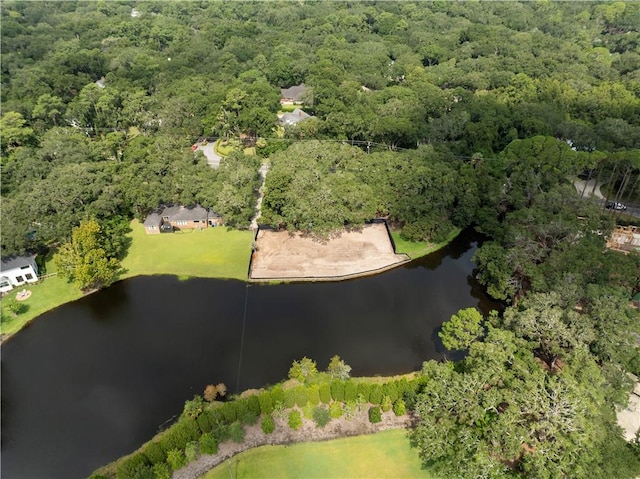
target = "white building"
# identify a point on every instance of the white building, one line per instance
(16, 271)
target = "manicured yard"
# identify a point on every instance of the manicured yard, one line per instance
(383, 455)
(421, 248)
(45, 296)
(210, 253)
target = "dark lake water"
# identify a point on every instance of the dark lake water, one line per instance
(94, 379)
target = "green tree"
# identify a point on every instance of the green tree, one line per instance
(83, 259)
(462, 329)
(338, 369)
(303, 370)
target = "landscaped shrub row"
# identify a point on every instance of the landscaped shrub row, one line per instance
(201, 428)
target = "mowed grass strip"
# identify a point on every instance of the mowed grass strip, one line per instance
(417, 249)
(382, 455)
(210, 253)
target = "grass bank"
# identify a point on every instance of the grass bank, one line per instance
(45, 295)
(420, 248)
(385, 454)
(210, 253)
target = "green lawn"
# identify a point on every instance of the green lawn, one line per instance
(45, 295)
(211, 253)
(421, 248)
(225, 149)
(383, 455)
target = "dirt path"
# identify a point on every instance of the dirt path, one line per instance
(283, 434)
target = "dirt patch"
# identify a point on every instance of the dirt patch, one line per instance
(281, 255)
(283, 434)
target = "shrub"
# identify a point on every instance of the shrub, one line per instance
(386, 404)
(314, 394)
(249, 418)
(208, 444)
(302, 397)
(253, 404)
(176, 459)
(307, 411)
(220, 431)
(230, 411)
(399, 408)
(204, 422)
(325, 393)
(161, 471)
(295, 420)
(321, 416)
(268, 426)
(191, 451)
(350, 408)
(266, 402)
(350, 391)
(364, 390)
(210, 393)
(375, 414)
(277, 394)
(338, 369)
(278, 409)
(153, 452)
(194, 407)
(391, 390)
(337, 390)
(132, 466)
(289, 398)
(303, 370)
(178, 435)
(236, 432)
(335, 410)
(375, 394)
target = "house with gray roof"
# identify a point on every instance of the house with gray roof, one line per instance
(16, 271)
(294, 117)
(293, 95)
(171, 218)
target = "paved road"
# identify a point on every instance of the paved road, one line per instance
(632, 209)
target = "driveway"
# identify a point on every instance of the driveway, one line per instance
(579, 184)
(212, 157)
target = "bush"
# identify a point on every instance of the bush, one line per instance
(314, 394)
(307, 411)
(230, 411)
(295, 420)
(325, 393)
(375, 394)
(194, 407)
(391, 390)
(133, 466)
(277, 394)
(191, 451)
(268, 426)
(375, 414)
(161, 471)
(303, 370)
(302, 397)
(266, 402)
(278, 409)
(338, 369)
(154, 453)
(204, 422)
(253, 404)
(249, 418)
(321, 416)
(220, 431)
(364, 390)
(335, 410)
(399, 408)
(208, 444)
(350, 391)
(236, 432)
(350, 408)
(386, 404)
(176, 459)
(337, 390)
(289, 398)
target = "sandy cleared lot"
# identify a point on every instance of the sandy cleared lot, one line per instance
(282, 255)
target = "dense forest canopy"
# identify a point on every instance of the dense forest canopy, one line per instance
(434, 115)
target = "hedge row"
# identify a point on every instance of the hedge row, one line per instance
(212, 425)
